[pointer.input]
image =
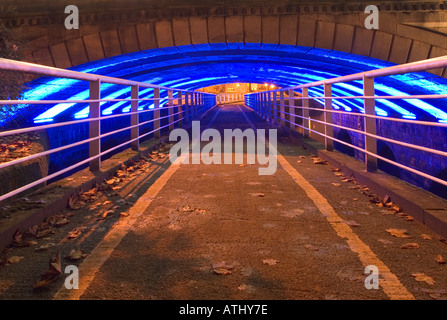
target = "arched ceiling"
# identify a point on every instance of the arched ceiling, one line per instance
(197, 66)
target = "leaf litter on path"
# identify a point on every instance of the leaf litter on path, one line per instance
(270, 262)
(222, 268)
(398, 233)
(50, 275)
(422, 277)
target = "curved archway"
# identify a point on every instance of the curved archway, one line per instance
(343, 135)
(197, 66)
(437, 188)
(385, 151)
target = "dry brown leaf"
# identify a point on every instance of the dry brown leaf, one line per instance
(336, 184)
(76, 255)
(421, 277)
(399, 233)
(222, 268)
(320, 161)
(384, 241)
(53, 272)
(14, 259)
(44, 232)
(45, 247)
(258, 194)
(426, 236)
(106, 214)
(61, 222)
(410, 245)
(17, 238)
(311, 247)
(352, 223)
(270, 262)
(74, 233)
(439, 259)
(221, 271)
(124, 214)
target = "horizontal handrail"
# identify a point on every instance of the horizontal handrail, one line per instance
(178, 108)
(418, 66)
(271, 105)
(27, 67)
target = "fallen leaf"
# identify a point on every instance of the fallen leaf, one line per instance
(17, 238)
(336, 184)
(44, 232)
(124, 214)
(106, 214)
(385, 242)
(410, 245)
(53, 272)
(259, 194)
(74, 233)
(270, 262)
(421, 277)
(221, 271)
(76, 255)
(352, 223)
(311, 247)
(399, 233)
(222, 268)
(61, 222)
(426, 236)
(439, 259)
(320, 161)
(45, 247)
(14, 259)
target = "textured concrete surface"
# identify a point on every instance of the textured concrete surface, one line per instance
(274, 237)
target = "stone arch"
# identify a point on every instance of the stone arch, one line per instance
(437, 188)
(344, 135)
(396, 41)
(385, 151)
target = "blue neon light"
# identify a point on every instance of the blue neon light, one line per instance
(193, 67)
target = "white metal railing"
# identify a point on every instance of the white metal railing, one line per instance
(224, 98)
(185, 106)
(266, 105)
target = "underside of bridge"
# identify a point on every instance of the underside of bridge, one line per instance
(196, 66)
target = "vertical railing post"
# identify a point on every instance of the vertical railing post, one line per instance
(157, 113)
(370, 124)
(305, 108)
(282, 109)
(171, 109)
(266, 106)
(328, 129)
(292, 117)
(95, 126)
(274, 110)
(180, 108)
(134, 118)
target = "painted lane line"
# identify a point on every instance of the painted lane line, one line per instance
(389, 282)
(101, 253)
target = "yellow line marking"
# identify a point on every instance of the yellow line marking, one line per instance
(389, 283)
(93, 262)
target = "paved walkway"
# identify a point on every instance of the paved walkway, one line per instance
(225, 232)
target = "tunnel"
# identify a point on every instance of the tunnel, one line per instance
(193, 67)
